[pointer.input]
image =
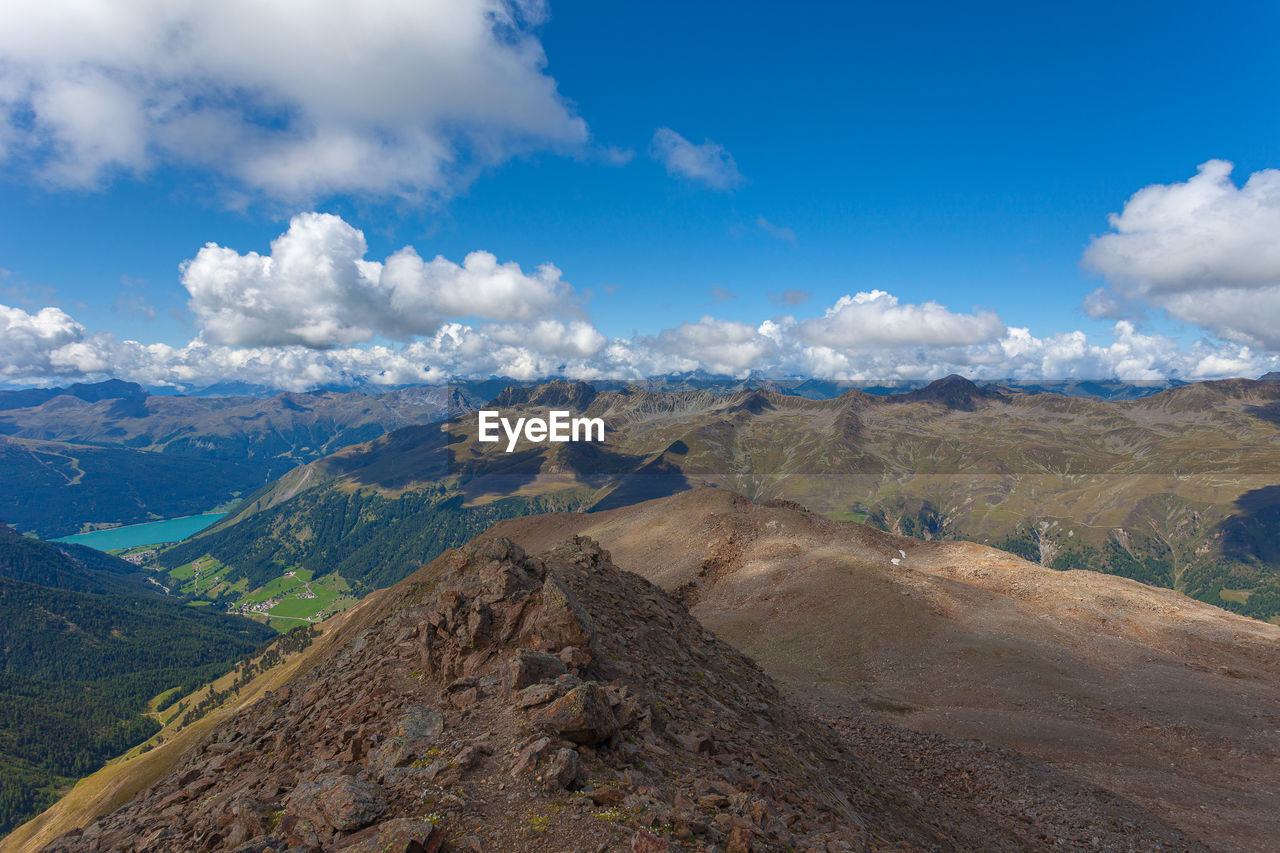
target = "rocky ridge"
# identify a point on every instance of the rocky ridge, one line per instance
(502, 701)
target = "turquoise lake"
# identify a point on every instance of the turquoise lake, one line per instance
(151, 533)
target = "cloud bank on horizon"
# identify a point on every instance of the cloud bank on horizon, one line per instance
(317, 311)
(437, 92)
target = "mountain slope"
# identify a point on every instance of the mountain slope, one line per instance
(55, 489)
(83, 645)
(66, 567)
(290, 428)
(1176, 489)
(1165, 700)
(501, 701)
(110, 453)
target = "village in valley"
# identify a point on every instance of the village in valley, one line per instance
(296, 596)
(265, 606)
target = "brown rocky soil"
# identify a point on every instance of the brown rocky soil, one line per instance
(1169, 702)
(502, 702)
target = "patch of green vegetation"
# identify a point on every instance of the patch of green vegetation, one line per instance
(26, 790)
(306, 607)
(1143, 563)
(183, 572)
(297, 608)
(164, 699)
(228, 506)
(201, 577)
(273, 589)
(858, 515)
(1079, 558)
(1022, 543)
(1261, 603)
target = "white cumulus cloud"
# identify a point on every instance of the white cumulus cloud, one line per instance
(709, 163)
(48, 342)
(315, 310)
(1204, 250)
(877, 318)
(716, 346)
(317, 289)
(282, 97)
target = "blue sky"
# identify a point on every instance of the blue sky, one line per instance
(694, 172)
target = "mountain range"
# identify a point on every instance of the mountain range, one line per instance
(1175, 489)
(804, 386)
(76, 457)
(1077, 644)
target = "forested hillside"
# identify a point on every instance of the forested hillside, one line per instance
(53, 489)
(110, 453)
(83, 646)
(371, 539)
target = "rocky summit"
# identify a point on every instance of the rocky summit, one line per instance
(499, 701)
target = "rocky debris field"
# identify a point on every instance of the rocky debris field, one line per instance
(507, 702)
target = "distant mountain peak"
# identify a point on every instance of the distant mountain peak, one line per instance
(575, 395)
(92, 392)
(954, 392)
(110, 389)
(753, 401)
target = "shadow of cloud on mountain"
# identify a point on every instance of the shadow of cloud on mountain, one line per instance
(1253, 533)
(657, 479)
(128, 407)
(504, 473)
(398, 459)
(1268, 412)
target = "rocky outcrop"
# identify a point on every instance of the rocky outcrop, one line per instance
(506, 702)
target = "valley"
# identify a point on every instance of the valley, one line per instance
(842, 543)
(110, 454)
(1175, 489)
